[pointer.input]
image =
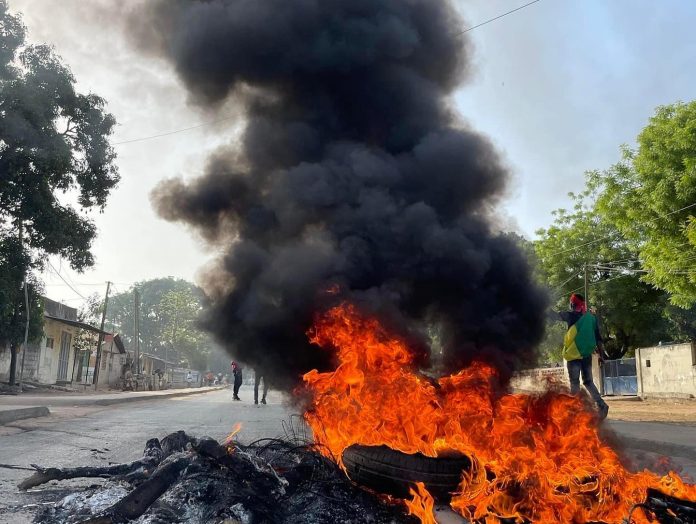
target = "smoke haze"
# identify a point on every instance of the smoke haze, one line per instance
(352, 173)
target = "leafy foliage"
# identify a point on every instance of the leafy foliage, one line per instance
(630, 311)
(169, 310)
(53, 146)
(650, 196)
(13, 316)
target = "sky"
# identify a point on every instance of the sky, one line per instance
(558, 86)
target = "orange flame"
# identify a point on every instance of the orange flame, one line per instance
(422, 505)
(533, 457)
(235, 429)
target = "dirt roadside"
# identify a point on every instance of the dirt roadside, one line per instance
(652, 410)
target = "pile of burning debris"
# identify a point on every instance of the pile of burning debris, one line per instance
(197, 480)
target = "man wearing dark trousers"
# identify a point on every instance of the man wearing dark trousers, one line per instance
(258, 375)
(581, 341)
(237, 374)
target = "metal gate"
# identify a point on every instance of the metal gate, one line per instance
(620, 377)
(64, 356)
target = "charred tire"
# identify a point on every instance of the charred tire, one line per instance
(385, 470)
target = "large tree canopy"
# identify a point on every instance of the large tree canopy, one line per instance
(55, 165)
(651, 199)
(169, 310)
(632, 313)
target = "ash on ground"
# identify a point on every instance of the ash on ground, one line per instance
(186, 479)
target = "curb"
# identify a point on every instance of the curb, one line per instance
(12, 415)
(177, 393)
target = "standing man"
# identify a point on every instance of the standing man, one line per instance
(258, 375)
(237, 373)
(580, 342)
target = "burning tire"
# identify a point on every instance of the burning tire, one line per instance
(388, 471)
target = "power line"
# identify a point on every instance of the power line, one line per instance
(85, 284)
(606, 237)
(232, 117)
(627, 270)
(167, 133)
(66, 282)
(576, 275)
(636, 260)
(496, 17)
(580, 288)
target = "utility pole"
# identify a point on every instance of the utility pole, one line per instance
(587, 296)
(26, 333)
(100, 340)
(136, 328)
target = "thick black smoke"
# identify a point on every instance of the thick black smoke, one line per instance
(352, 170)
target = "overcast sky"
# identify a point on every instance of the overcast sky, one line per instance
(558, 86)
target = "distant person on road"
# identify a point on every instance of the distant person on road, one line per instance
(189, 379)
(237, 373)
(258, 375)
(580, 342)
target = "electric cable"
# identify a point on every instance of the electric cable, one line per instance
(173, 132)
(659, 217)
(496, 17)
(66, 282)
(232, 117)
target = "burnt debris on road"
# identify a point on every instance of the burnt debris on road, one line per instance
(197, 480)
(186, 479)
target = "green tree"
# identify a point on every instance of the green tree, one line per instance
(169, 310)
(650, 197)
(120, 312)
(90, 314)
(180, 311)
(13, 260)
(53, 147)
(630, 311)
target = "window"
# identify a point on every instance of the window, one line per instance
(49, 342)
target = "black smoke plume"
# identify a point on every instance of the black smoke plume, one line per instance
(352, 173)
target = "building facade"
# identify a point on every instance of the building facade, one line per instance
(53, 359)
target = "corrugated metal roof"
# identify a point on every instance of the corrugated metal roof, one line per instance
(77, 324)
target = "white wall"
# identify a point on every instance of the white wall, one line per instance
(667, 370)
(49, 357)
(5, 363)
(539, 379)
(542, 379)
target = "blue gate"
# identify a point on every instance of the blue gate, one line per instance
(620, 377)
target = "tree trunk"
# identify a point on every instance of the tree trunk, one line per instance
(13, 363)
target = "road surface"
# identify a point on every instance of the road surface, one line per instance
(97, 435)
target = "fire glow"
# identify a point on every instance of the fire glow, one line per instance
(534, 458)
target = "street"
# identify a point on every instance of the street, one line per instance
(83, 435)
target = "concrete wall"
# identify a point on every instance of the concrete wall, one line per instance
(41, 362)
(49, 357)
(5, 363)
(667, 370)
(110, 366)
(541, 379)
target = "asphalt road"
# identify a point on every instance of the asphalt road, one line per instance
(98, 435)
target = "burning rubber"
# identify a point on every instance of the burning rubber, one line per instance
(403, 439)
(531, 458)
